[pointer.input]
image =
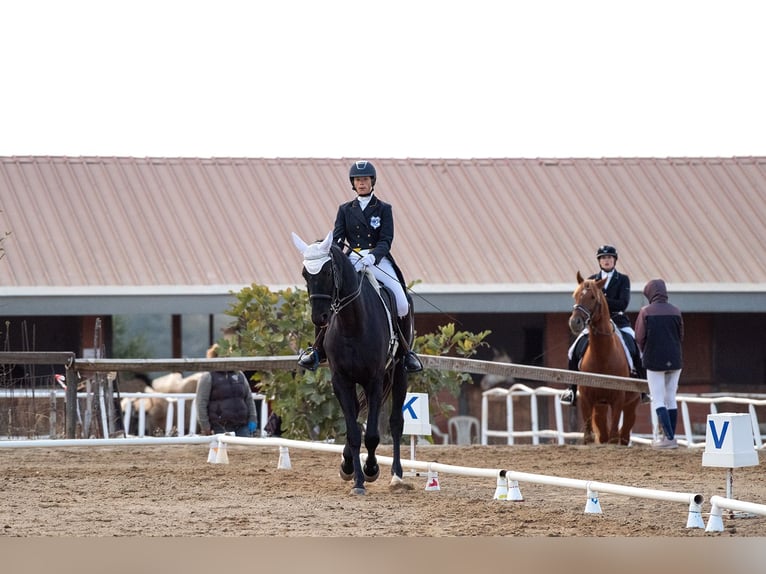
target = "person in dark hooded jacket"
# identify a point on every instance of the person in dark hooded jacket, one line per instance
(225, 402)
(659, 335)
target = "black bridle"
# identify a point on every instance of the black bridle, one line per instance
(589, 313)
(337, 303)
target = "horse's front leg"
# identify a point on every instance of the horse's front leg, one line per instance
(628, 417)
(600, 419)
(586, 411)
(396, 420)
(350, 462)
(614, 421)
(372, 432)
(347, 462)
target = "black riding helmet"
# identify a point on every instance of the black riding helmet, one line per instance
(362, 168)
(606, 250)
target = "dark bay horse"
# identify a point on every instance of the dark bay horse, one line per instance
(604, 355)
(359, 344)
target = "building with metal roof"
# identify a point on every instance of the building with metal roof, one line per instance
(121, 235)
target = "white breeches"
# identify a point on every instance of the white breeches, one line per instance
(385, 274)
(628, 330)
(662, 388)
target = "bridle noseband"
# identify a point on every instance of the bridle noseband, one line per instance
(337, 302)
(584, 310)
(589, 313)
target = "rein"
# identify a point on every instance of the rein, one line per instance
(338, 303)
(579, 307)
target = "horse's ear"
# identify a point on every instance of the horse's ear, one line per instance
(326, 243)
(579, 277)
(299, 243)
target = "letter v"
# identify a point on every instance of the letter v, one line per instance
(716, 439)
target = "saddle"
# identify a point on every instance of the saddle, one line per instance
(389, 303)
(628, 344)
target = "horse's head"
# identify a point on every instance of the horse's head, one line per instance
(320, 277)
(589, 303)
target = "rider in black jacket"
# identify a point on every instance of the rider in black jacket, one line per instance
(617, 292)
(366, 226)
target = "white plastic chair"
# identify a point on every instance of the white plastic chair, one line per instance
(437, 437)
(436, 433)
(462, 429)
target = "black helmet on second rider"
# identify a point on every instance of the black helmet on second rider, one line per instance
(605, 250)
(362, 168)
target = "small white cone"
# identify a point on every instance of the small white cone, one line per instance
(501, 492)
(514, 494)
(213, 452)
(715, 522)
(284, 459)
(695, 516)
(592, 506)
(432, 481)
(221, 457)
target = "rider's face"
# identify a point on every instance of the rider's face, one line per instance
(363, 185)
(607, 262)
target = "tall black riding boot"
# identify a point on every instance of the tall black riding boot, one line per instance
(570, 395)
(673, 417)
(313, 356)
(411, 362)
(638, 371)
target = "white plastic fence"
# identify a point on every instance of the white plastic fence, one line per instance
(175, 417)
(560, 434)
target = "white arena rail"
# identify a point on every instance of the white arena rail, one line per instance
(560, 434)
(719, 503)
(561, 377)
(175, 416)
(589, 487)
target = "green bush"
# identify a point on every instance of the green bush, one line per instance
(273, 324)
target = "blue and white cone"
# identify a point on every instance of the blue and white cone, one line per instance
(592, 506)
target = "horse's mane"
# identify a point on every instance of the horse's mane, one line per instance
(349, 279)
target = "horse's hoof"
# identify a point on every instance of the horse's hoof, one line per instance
(371, 476)
(345, 476)
(346, 471)
(359, 490)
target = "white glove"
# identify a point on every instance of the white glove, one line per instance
(366, 261)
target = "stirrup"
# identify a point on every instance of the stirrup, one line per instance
(411, 363)
(568, 398)
(645, 398)
(309, 359)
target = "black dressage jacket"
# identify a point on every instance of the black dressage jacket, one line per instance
(371, 228)
(617, 297)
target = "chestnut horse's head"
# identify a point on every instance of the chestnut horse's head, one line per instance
(590, 306)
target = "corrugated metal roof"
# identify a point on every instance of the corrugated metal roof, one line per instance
(164, 224)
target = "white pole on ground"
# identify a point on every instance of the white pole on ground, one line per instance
(715, 522)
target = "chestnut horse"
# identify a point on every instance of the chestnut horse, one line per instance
(604, 355)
